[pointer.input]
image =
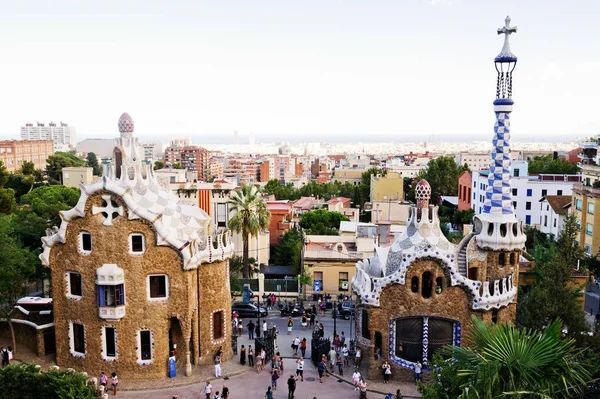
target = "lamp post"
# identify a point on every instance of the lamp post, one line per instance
(335, 312)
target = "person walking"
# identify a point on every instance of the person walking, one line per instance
(387, 372)
(225, 392)
(300, 368)
(357, 357)
(332, 359)
(259, 362)
(356, 379)
(240, 327)
(274, 378)
(264, 327)
(303, 347)
(296, 345)
(207, 389)
(398, 395)
(216, 395)
(269, 393)
(242, 356)
(103, 381)
(218, 365)
(250, 356)
(303, 320)
(291, 382)
(4, 355)
(290, 324)
(321, 330)
(321, 369)
(362, 386)
(250, 326)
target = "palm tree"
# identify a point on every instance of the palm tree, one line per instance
(250, 215)
(507, 362)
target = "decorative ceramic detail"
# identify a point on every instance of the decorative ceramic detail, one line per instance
(222, 339)
(79, 355)
(138, 348)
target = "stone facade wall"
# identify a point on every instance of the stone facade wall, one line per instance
(24, 335)
(214, 296)
(110, 244)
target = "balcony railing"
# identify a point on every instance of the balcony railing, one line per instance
(586, 190)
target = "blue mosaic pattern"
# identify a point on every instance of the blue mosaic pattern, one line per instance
(498, 198)
(425, 338)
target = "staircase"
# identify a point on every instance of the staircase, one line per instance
(462, 256)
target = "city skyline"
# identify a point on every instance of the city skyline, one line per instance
(375, 71)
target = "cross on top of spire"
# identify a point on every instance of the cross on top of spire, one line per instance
(506, 55)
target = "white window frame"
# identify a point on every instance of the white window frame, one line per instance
(80, 243)
(130, 240)
(589, 229)
(151, 299)
(222, 339)
(74, 353)
(591, 206)
(68, 283)
(104, 350)
(139, 347)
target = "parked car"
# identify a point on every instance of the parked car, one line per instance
(247, 310)
(347, 310)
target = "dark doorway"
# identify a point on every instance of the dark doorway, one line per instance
(409, 338)
(365, 324)
(176, 338)
(378, 343)
(49, 342)
(426, 284)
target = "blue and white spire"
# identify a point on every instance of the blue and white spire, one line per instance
(498, 225)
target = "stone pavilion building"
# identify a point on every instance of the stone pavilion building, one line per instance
(137, 276)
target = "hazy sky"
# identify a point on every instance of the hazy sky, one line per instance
(298, 69)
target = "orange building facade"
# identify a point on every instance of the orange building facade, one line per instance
(465, 187)
(14, 152)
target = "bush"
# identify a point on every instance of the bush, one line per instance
(25, 382)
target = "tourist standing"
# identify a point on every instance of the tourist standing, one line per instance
(264, 327)
(418, 369)
(243, 355)
(250, 356)
(269, 393)
(207, 389)
(291, 382)
(356, 379)
(4, 356)
(290, 324)
(303, 347)
(250, 329)
(398, 395)
(332, 359)
(300, 368)
(240, 327)
(296, 345)
(340, 364)
(362, 386)
(218, 365)
(387, 372)
(103, 381)
(303, 321)
(321, 330)
(345, 353)
(357, 357)
(114, 381)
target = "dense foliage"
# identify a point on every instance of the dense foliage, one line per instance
(322, 222)
(442, 175)
(92, 162)
(507, 362)
(59, 160)
(551, 164)
(554, 295)
(289, 251)
(25, 382)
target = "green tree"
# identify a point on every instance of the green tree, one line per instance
(28, 168)
(551, 164)
(464, 217)
(322, 222)
(3, 174)
(159, 165)
(442, 175)
(7, 200)
(250, 216)
(92, 162)
(555, 295)
(177, 165)
(17, 267)
(507, 362)
(304, 280)
(289, 251)
(55, 163)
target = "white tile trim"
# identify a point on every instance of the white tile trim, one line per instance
(72, 340)
(131, 252)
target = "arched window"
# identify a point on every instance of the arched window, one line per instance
(501, 259)
(427, 285)
(378, 343)
(414, 284)
(513, 258)
(365, 324)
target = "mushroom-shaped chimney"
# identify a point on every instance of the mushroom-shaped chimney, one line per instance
(423, 194)
(125, 125)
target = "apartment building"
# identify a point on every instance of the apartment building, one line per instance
(527, 190)
(191, 157)
(387, 188)
(63, 135)
(14, 152)
(554, 209)
(464, 190)
(586, 196)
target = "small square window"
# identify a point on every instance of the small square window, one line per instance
(514, 191)
(75, 286)
(158, 287)
(590, 208)
(137, 244)
(86, 242)
(528, 206)
(529, 192)
(527, 219)
(544, 193)
(559, 192)
(516, 172)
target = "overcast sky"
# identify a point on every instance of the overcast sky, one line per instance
(301, 70)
